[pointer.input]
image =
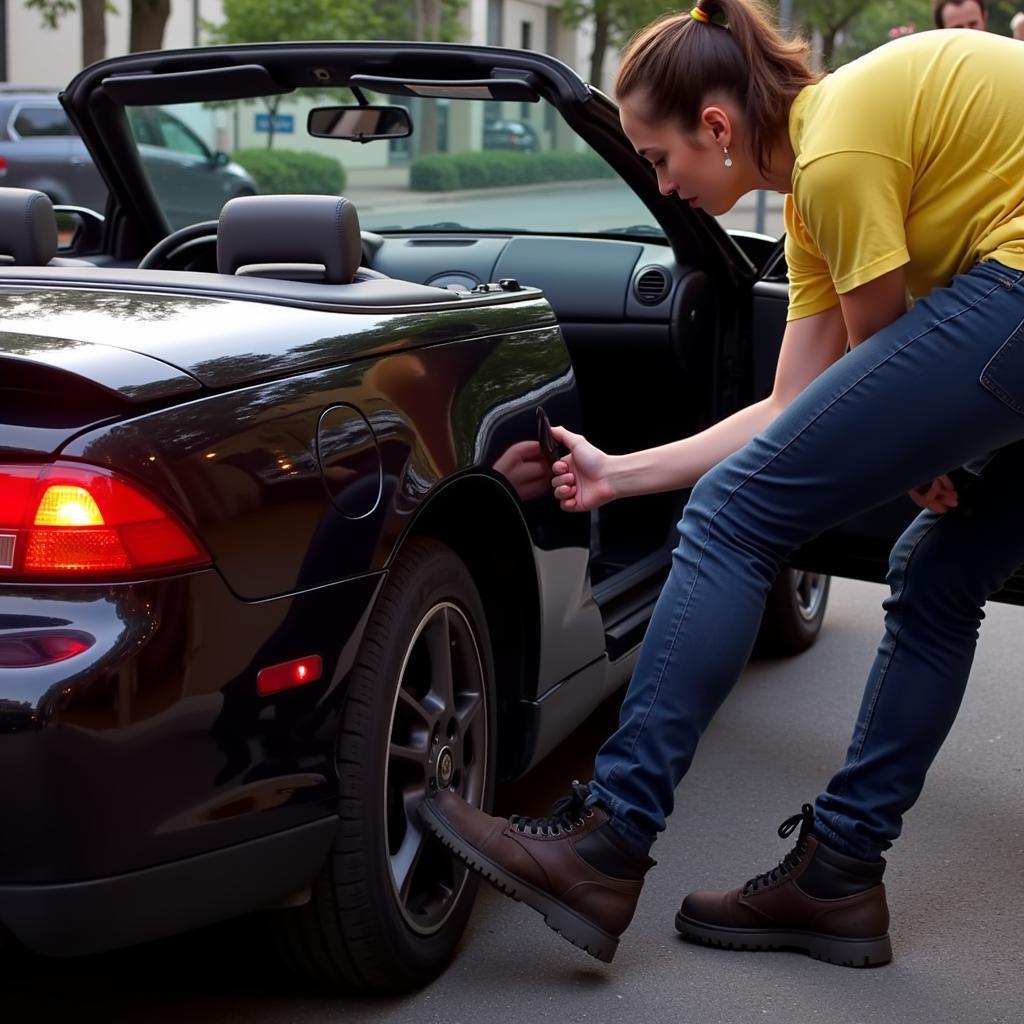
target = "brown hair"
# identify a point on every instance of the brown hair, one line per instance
(939, 6)
(678, 60)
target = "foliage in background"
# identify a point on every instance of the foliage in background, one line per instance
(263, 21)
(269, 21)
(285, 172)
(399, 19)
(147, 23)
(94, 23)
(613, 22)
(872, 28)
(51, 11)
(443, 172)
(846, 36)
(260, 21)
(830, 18)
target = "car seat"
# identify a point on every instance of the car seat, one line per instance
(28, 231)
(292, 238)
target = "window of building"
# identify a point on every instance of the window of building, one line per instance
(495, 18)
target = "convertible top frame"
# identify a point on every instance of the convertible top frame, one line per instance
(96, 97)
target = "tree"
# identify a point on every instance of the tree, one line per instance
(401, 19)
(871, 27)
(262, 21)
(428, 27)
(614, 22)
(268, 21)
(148, 22)
(430, 21)
(94, 23)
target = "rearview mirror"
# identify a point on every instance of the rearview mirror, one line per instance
(359, 124)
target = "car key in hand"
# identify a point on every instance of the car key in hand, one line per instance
(553, 451)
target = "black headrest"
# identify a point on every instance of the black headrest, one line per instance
(28, 227)
(290, 229)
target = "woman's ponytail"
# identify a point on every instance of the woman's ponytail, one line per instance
(728, 46)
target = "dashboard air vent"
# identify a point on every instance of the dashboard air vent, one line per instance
(651, 286)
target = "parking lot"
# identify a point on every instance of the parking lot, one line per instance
(954, 882)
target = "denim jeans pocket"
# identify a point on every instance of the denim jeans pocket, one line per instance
(1003, 374)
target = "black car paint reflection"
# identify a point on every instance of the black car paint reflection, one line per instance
(175, 661)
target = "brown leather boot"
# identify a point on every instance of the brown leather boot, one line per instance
(816, 900)
(571, 866)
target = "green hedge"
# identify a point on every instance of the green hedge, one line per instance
(494, 168)
(279, 171)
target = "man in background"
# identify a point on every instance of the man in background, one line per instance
(1017, 25)
(960, 14)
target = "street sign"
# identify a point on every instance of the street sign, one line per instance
(284, 124)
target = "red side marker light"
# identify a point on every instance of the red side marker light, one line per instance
(288, 675)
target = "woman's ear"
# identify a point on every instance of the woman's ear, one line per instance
(717, 121)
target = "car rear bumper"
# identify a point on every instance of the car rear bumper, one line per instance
(105, 913)
(154, 746)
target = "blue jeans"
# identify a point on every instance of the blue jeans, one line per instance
(941, 387)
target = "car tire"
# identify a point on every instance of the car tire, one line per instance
(403, 732)
(793, 613)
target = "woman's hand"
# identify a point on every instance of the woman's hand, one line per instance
(581, 479)
(936, 495)
(523, 465)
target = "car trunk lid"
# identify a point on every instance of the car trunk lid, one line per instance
(53, 385)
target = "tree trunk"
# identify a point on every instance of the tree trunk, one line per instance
(602, 34)
(149, 19)
(94, 31)
(828, 46)
(428, 27)
(272, 103)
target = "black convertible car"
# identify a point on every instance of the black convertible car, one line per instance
(278, 553)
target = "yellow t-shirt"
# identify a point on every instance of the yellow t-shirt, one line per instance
(911, 155)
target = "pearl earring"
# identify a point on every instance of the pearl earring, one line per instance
(728, 159)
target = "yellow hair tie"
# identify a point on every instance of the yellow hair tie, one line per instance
(699, 15)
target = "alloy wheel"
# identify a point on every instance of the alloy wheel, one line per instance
(437, 740)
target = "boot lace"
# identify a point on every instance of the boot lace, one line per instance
(568, 813)
(804, 819)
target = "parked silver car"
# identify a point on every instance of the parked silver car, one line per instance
(40, 149)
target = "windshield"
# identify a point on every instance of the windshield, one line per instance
(469, 164)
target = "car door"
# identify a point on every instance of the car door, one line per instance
(40, 154)
(180, 166)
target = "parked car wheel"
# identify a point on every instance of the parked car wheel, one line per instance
(793, 613)
(390, 904)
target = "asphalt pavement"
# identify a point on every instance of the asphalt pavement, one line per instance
(954, 880)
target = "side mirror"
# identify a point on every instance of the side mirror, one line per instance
(220, 159)
(79, 230)
(358, 123)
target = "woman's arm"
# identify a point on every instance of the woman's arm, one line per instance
(809, 346)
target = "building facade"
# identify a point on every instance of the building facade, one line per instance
(32, 54)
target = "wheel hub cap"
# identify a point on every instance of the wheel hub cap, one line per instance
(445, 767)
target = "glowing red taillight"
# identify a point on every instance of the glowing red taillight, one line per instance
(73, 521)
